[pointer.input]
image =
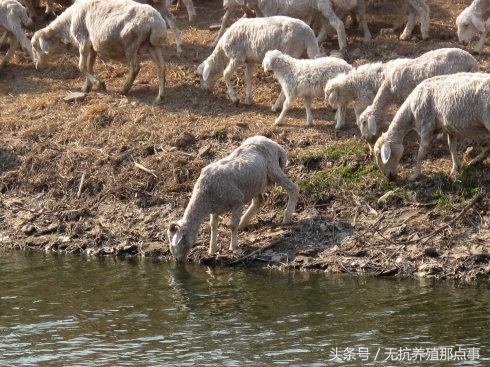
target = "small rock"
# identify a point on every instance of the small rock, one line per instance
(204, 150)
(75, 97)
(29, 229)
(184, 140)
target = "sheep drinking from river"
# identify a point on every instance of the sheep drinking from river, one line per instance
(226, 186)
(12, 16)
(456, 104)
(301, 78)
(247, 41)
(401, 81)
(116, 29)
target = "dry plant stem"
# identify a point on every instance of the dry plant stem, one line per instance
(80, 187)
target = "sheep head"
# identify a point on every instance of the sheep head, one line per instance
(180, 241)
(468, 25)
(269, 59)
(369, 125)
(207, 74)
(388, 155)
(42, 49)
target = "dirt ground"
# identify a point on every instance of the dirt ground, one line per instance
(349, 219)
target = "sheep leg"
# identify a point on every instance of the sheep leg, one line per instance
(224, 22)
(361, 8)
(213, 244)
(334, 20)
(90, 67)
(288, 101)
(14, 44)
(424, 15)
(278, 176)
(83, 65)
(249, 69)
(452, 143)
(251, 211)
(191, 11)
(309, 114)
(424, 145)
(398, 23)
(340, 117)
(157, 57)
(279, 102)
(480, 157)
(170, 19)
(19, 34)
(235, 222)
(407, 32)
(134, 69)
(227, 74)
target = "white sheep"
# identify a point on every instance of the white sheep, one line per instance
(400, 82)
(12, 16)
(247, 41)
(473, 19)
(359, 86)
(301, 79)
(226, 186)
(456, 104)
(328, 12)
(119, 29)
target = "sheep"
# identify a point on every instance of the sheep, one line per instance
(328, 10)
(227, 185)
(456, 104)
(12, 16)
(358, 86)
(247, 41)
(163, 7)
(301, 78)
(400, 82)
(473, 19)
(117, 29)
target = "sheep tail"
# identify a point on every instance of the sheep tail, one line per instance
(158, 33)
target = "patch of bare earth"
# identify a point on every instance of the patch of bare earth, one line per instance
(139, 162)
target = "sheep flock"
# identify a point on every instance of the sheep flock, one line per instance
(331, 55)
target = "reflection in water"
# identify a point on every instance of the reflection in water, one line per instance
(61, 310)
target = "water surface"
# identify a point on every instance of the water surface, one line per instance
(58, 310)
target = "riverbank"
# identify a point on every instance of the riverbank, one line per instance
(104, 175)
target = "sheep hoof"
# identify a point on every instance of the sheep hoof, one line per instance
(248, 102)
(158, 100)
(278, 123)
(404, 37)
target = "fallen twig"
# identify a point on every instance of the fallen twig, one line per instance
(143, 168)
(80, 187)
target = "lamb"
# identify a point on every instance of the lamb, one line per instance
(12, 16)
(247, 41)
(301, 78)
(400, 82)
(455, 104)
(358, 86)
(473, 19)
(328, 10)
(117, 29)
(227, 185)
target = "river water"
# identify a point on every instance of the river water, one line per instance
(58, 310)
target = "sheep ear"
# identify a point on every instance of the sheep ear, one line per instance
(205, 72)
(478, 23)
(199, 69)
(176, 238)
(43, 45)
(373, 129)
(385, 153)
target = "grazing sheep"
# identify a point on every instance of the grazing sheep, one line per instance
(400, 82)
(473, 19)
(328, 11)
(119, 29)
(163, 7)
(227, 185)
(301, 78)
(12, 16)
(358, 86)
(456, 104)
(247, 41)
